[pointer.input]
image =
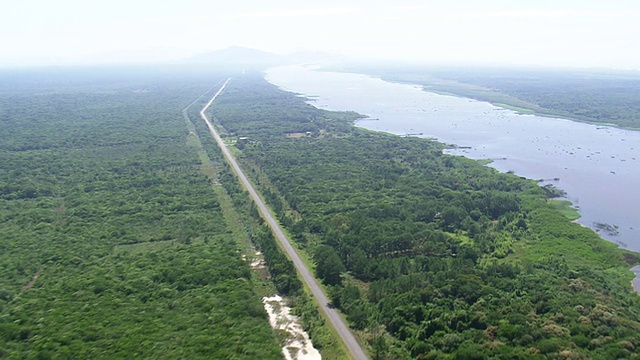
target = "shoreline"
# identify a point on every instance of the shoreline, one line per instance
(522, 110)
(517, 109)
(635, 283)
(364, 118)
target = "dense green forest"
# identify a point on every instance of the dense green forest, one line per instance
(596, 95)
(113, 243)
(122, 232)
(431, 256)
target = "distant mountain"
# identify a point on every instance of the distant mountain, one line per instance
(236, 55)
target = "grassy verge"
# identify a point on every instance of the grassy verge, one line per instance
(565, 207)
(517, 109)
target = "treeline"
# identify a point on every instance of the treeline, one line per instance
(430, 255)
(599, 96)
(113, 242)
(596, 96)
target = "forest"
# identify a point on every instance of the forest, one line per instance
(598, 96)
(123, 232)
(431, 256)
(114, 243)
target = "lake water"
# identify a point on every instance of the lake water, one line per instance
(598, 167)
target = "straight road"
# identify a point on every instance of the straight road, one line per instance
(356, 351)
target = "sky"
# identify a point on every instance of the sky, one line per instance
(587, 33)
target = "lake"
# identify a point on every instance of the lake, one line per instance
(597, 166)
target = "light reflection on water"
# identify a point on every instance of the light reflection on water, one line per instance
(598, 167)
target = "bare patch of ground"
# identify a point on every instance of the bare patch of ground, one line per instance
(636, 282)
(297, 135)
(258, 262)
(298, 345)
(32, 281)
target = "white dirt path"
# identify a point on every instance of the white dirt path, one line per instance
(298, 345)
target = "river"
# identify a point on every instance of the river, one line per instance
(597, 166)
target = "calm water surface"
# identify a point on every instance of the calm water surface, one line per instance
(598, 167)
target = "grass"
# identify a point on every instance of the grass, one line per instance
(565, 207)
(144, 246)
(212, 171)
(485, 161)
(463, 238)
(518, 109)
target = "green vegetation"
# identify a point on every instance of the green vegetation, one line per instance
(113, 243)
(123, 229)
(281, 272)
(565, 207)
(444, 258)
(517, 109)
(595, 96)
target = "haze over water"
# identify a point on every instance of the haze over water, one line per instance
(598, 167)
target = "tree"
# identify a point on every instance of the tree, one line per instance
(328, 265)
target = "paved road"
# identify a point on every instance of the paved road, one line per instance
(337, 322)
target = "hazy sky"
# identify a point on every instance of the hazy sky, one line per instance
(533, 32)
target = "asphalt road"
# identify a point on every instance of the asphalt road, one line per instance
(356, 351)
